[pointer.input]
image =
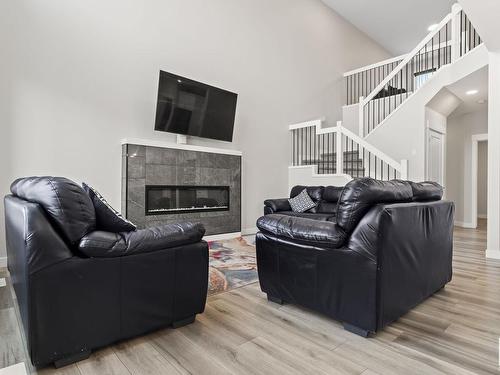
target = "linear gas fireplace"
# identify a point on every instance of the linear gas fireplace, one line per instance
(168, 199)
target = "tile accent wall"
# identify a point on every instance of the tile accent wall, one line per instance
(147, 165)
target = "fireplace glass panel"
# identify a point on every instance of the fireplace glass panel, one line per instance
(162, 200)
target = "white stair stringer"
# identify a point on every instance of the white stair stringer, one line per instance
(402, 134)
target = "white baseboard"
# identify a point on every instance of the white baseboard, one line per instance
(223, 236)
(17, 369)
(249, 231)
(482, 216)
(493, 254)
(3, 262)
(463, 224)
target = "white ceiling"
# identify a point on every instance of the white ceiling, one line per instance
(397, 25)
(474, 81)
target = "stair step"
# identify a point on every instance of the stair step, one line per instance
(353, 152)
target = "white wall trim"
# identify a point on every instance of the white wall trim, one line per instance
(163, 144)
(493, 254)
(3, 262)
(249, 231)
(463, 224)
(476, 138)
(223, 236)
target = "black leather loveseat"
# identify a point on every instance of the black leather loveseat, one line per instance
(80, 288)
(326, 199)
(389, 249)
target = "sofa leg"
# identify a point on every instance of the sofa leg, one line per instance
(277, 300)
(183, 322)
(84, 354)
(358, 331)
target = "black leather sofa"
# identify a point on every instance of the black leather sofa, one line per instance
(326, 199)
(79, 288)
(389, 249)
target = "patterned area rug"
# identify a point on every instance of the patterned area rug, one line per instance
(232, 264)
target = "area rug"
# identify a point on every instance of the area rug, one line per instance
(232, 264)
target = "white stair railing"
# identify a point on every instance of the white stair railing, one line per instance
(452, 38)
(338, 151)
(360, 82)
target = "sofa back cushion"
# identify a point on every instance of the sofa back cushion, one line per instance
(107, 218)
(68, 206)
(331, 194)
(359, 195)
(426, 191)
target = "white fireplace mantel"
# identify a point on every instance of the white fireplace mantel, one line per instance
(163, 144)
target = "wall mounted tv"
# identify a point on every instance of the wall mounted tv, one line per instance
(188, 107)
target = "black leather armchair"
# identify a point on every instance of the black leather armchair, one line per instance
(79, 288)
(388, 250)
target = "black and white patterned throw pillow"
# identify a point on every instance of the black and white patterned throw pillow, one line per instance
(108, 219)
(301, 202)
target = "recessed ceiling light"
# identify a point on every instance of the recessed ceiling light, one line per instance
(432, 27)
(179, 81)
(471, 92)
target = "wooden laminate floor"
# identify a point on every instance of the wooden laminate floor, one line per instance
(454, 332)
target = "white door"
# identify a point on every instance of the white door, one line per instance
(435, 156)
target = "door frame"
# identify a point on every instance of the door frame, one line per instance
(476, 138)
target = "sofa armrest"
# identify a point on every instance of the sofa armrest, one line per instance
(311, 232)
(99, 244)
(277, 205)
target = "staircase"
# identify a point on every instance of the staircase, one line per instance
(375, 93)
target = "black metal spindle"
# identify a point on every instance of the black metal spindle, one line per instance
(439, 49)
(469, 46)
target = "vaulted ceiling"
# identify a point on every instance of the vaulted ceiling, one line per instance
(397, 25)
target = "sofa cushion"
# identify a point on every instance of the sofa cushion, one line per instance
(107, 218)
(309, 215)
(332, 193)
(100, 244)
(426, 191)
(301, 230)
(68, 206)
(359, 195)
(301, 202)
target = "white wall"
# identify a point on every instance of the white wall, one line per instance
(84, 76)
(482, 179)
(459, 163)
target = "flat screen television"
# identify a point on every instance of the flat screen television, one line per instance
(193, 108)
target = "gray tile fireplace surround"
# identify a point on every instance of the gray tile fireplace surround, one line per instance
(144, 165)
